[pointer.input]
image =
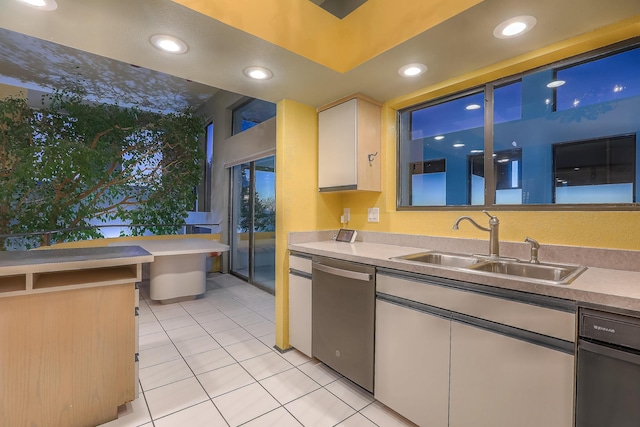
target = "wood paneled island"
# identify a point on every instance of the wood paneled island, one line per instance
(68, 339)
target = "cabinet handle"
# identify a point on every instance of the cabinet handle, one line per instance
(343, 273)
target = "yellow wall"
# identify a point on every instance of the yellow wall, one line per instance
(299, 205)
(12, 91)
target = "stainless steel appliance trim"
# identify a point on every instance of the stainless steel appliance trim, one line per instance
(610, 328)
(300, 273)
(609, 351)
(342, 273)
(507, 294)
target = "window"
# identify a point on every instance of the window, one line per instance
(438, 139)
(203, 191)
(597, 171)
(252, 113)
(562, 135)
(507, 177)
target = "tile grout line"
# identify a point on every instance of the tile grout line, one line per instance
(238, 362)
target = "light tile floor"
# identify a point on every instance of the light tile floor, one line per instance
(212, 362)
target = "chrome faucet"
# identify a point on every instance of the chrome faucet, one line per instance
(534, 250)
(494, 224)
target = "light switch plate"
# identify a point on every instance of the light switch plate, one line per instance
(373, 215)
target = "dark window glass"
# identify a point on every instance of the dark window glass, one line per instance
(607, 79)
(507, 102)
(596, 171)
(203, 191)
(452, 116)
(252, 113)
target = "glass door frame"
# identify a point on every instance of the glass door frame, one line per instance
(250, 277)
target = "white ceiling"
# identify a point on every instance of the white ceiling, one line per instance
(95, 41)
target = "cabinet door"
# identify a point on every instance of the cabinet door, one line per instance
(337, 145)
(412, 363)
(300, 313)
(497, 380)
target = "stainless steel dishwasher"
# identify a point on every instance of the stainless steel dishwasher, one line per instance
(343, 319)
(608, 379)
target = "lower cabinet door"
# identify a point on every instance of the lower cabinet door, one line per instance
(497, 380)
(412, 363)
(300, 313)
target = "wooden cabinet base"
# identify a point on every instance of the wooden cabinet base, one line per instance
(66, 358)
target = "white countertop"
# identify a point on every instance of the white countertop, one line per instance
(608, 287)
(167, 247)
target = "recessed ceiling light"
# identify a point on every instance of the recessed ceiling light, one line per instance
(458, 145)
(169, 44)
(258, 73)
(555, 83)
(438, 138)
(514, 27)
(476, 151)
(472, 107)
(412, 70)
(42, 4)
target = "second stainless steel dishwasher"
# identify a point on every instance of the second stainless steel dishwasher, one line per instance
(343, 319)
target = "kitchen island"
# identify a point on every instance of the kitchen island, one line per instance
(68, 334)
(179, 269)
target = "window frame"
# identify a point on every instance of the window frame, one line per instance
(490, 185)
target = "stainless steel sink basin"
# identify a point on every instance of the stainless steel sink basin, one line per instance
(556, 273)
(443, 259)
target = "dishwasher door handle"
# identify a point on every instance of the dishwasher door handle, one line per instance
(343, 273)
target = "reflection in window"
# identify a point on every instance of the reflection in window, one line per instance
(607, 79)
(596, 171)
(535, 128)
(429, 183)
(452, 116)
(437, 136)
(252, 113)
(507, 103)
(507, 171)
(203, 191)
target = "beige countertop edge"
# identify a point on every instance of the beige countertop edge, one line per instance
(612, 288)
(53, 260)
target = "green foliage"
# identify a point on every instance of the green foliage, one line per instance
(71, 163)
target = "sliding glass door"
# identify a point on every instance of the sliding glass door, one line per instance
(253, 222)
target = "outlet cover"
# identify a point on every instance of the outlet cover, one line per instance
(347, 214)
(373, 215)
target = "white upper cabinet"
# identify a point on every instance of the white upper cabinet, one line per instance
(349, 145)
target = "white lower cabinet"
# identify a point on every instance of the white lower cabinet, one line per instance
(455, 354)
(300, 304)
(497, 380)
(412, 363)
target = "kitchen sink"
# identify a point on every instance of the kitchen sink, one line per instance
(556, 273)
(443, 259)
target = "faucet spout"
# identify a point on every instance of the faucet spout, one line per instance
(462, 218)
(493, 230)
